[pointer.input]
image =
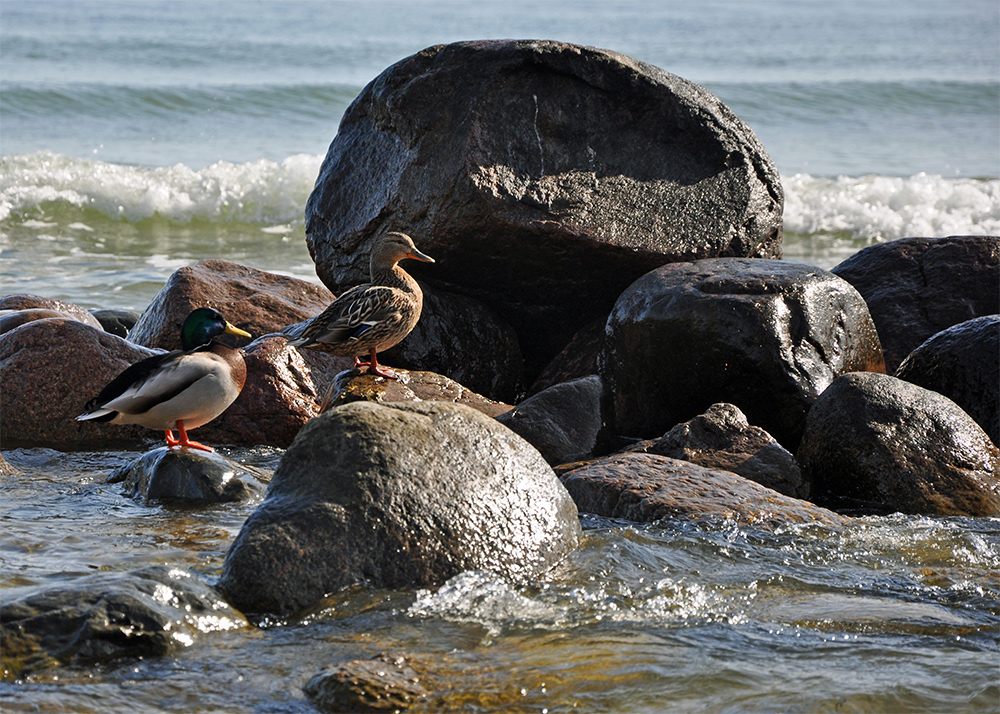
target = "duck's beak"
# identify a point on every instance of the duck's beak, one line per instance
(234, 330)
(417, 255)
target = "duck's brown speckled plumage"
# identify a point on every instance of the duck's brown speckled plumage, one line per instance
(375, 316)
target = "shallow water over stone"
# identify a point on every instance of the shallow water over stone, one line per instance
(890, 614)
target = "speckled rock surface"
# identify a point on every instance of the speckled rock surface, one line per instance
(254, 300)
(648, 487)
(398, 495)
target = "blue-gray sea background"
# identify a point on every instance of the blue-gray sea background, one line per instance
(138, 137)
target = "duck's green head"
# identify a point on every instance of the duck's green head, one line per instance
(204, 324)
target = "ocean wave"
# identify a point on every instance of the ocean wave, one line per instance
(41, 186)
(259, 192)
(96, 100)
(879, 208)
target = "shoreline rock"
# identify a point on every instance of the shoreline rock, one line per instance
(398, 495)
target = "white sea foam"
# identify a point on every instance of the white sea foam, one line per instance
(886, 207)
(273, 195)
(259, 191)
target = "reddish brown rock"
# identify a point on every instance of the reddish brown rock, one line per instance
(283, 391)
(254, 300)
(410, 387)
(543, 177)
(15, 318)
(916, 287)
(27, 302)
(648, 487)
(50, 369)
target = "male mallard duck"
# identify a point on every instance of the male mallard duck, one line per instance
(183, 389)
(375, 316)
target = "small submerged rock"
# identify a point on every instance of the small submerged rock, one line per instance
(398, 495)
(99, 618)
(197, 477)
(384, 683)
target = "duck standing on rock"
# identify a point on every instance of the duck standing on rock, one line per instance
(183, 389)
(374, 316)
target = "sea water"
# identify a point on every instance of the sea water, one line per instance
(138, 137)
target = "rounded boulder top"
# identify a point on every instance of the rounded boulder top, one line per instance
(544, 178)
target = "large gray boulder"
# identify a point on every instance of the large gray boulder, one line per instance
(963, 364)
(765, 335)
(916, 287)
(398, 495)
(543, 177)
(877, 443)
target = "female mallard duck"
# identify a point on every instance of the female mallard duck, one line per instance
(183, 389)
(375, 316)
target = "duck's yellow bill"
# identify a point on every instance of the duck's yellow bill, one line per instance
(234, 330)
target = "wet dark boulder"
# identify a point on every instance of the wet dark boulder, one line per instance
(722, 438)
(563, 422)
(916, 287)
(34, 307)
(104, 617)
(188, 476)
(767, 336)
(49, 370)
(963, 364)
(543, 177)
(356, 386)
(254, 300)
(649, 487)
(398, 495)
(877, 443)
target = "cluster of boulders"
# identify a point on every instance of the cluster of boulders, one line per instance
(608, 328)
